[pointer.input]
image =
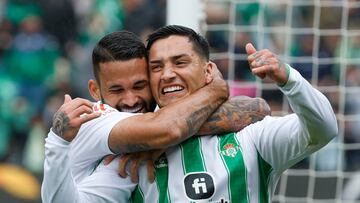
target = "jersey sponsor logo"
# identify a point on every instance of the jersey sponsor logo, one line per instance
(199, 186)
(161, 162)
(230, 150)
(223, 201)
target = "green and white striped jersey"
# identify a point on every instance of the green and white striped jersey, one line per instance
(208, 168)
(237, 167)
(211, 169)
(243, 166)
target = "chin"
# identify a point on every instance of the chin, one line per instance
(170, 101)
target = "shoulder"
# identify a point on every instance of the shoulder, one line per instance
(104, 109)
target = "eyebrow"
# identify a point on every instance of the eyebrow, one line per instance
(172, 58)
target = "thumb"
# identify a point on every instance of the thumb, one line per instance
(67, 98)
(250, 49)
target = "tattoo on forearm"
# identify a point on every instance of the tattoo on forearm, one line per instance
(197, 118)
(234, 115)
(60, 124)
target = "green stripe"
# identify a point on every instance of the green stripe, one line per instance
(192, 157)
(264, 173)
(137, 195)
(98, 163)
(161, 178)
(233, 160)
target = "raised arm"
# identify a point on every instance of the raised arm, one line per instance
(283, 141)
(235, 114)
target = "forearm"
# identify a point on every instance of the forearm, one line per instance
(283, 141)
(58, 184)
(313, 109)
(168, 126)
(235, 114)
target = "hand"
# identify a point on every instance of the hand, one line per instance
(218, 81)
(264, 63)
(109, 158)
(136, 159)
(71, 115)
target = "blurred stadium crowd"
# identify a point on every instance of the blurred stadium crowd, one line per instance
(317, 39)
(45, 51)
(46, 45)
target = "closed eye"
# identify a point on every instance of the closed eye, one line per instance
(181, 63)
(141, 85)
(155, 67)
(116, 91)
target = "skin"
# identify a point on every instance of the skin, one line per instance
(174, 63)
(124, 87)
(154, 131)
(175, 74)
(71, 115)
(265, 63)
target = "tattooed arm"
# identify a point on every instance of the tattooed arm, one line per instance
(173, 123)
(231, 116)
(71, 115)
(235, 114)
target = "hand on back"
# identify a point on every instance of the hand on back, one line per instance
(71, 115)
(134, 161)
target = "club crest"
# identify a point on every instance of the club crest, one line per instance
(230, 150)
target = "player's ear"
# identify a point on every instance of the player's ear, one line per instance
(209, 69)
(94, 89)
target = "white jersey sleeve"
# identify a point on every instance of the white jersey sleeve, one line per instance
(91, 142)
(67, 164)
(283, 141)
(57, 172)
(59, 185)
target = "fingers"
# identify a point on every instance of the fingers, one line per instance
(78, 110)
(150, 170)
(122, 165)
(216, 80)
(134, 175)
(88, 117)
(67, 98)
(83, 114)
(135, 163)
(108, 159)
(75, 103)
(265, 63)
(260, 71)
(135, 160)
(157, 153)
(259, 61)
(260, 56)
(216, 71)
(250, 49)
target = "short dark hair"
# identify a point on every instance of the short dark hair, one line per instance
(200, 44)
(117, 46)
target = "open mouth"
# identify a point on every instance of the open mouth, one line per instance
(136, 109)
(172, 89)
